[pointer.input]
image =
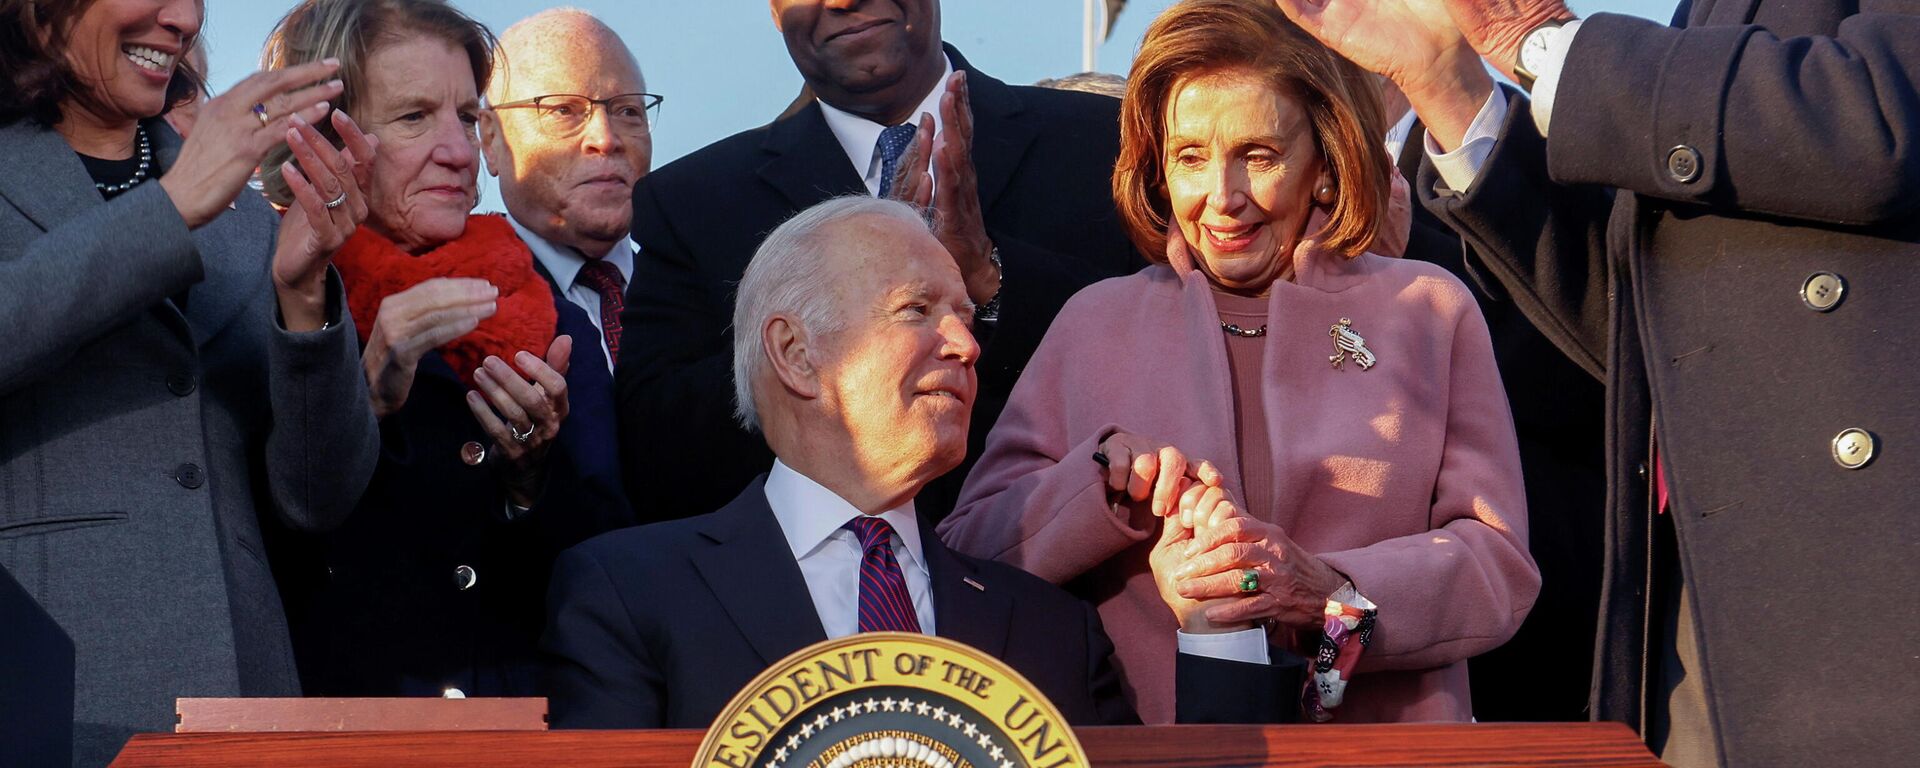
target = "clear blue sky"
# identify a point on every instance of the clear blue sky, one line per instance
(723, 68)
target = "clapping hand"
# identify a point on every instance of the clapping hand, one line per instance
(1414, 43)
(522, 410)
(413, 321)
(329, 202)
(936, 171)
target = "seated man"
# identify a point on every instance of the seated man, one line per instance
(855, 361)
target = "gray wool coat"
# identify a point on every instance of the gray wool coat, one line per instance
(142, 446)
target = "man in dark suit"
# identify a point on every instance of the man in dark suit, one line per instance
(1039, 227)
(856, 363)
(1718, 218)
(1544, 672)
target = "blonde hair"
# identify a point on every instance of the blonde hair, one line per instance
(351, 30)
(1200, 37)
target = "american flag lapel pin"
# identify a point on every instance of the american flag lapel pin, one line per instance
(971, 583)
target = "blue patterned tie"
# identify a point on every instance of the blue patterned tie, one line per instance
(884, 602)
(893, 141)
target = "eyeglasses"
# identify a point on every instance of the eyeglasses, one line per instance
(563, 114)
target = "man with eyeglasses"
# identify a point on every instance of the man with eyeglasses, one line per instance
(567, 131)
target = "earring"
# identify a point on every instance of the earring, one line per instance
(1324, 193)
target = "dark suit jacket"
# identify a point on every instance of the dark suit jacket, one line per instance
(378, 607)
(36, 682)
(1684, 294)
(659, 626)
(1544, 672)
(142, 447)
(1043, 158)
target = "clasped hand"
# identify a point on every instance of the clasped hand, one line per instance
(1207, 543)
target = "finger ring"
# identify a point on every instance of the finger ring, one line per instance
(1249, 580)
(260, 111)
(335, 203)
(521, 437)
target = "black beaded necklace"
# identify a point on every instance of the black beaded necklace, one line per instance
(139, 173)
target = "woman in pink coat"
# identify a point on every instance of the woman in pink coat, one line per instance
(1340, 408)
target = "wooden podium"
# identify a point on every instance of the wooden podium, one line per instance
(1515, 744)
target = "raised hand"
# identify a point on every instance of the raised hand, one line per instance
(230, 139)
(1496, 28)
(330, 201)
(1414, 43)
(937, 171)
(523, 411)
(413, 321)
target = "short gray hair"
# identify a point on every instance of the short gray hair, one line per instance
(785, 277)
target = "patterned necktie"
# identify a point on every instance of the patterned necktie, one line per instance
(884, 602)
(605, 279)
(893, 141)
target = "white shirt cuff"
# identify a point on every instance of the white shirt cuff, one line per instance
(1247, 645)
(1461, 167)
(1546, 83)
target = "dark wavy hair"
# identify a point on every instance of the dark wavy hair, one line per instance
(35, 77)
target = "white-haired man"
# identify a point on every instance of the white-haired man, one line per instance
(855, 360)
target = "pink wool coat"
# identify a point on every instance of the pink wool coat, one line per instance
(1405, 477)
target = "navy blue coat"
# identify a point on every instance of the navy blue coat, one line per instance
(379, 607)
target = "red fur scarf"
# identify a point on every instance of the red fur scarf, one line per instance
(373, 268)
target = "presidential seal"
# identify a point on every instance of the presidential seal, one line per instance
(890, 700)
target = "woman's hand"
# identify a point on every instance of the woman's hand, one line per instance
(1141, 468)
(1169, 554)
(416, 320)
(329, 201)
(1294, 585)
(229, 140)
(523, 416)
(1415, 44)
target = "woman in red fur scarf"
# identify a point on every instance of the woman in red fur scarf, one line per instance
(437, 582)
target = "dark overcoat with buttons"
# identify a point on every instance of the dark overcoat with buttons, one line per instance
(1751, 296)
(429, 585)
(141, 445)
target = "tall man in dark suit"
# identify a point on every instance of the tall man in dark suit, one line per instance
(856, 362)
(1020, 179)
(1719, 219)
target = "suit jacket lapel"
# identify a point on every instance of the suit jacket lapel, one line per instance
(44, 177)
(1000, 137)
(806, 163)
(752, 573)
(978, 616)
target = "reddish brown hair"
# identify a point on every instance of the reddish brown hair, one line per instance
(1200, 37)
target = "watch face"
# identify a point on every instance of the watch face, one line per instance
(1533, 50)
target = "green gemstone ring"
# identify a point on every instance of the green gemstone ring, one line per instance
(1249, 580)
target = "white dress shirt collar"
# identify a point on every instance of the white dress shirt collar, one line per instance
(809, 514)
(1397, 136)
(564, 263)
(858, 135)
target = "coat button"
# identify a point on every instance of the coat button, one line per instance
(189, 475)
(473, 453)
(1683, 164)
(1640, 471)
(180, 384)
(1853, 448)
(464, 578)
(1823, 291)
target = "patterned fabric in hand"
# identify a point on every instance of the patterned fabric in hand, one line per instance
(373, 268)
(893, 141)
(884, 602)
(604, 278)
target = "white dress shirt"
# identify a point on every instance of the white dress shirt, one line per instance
(1461, 167)
(829, 555)
(1397, 136)
(565, 263)
(858, 135)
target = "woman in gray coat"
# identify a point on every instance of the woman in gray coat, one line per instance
(178, 361)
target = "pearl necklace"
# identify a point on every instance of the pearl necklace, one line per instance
(140, 173)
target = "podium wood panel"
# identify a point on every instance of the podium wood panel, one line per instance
(1497, 744)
